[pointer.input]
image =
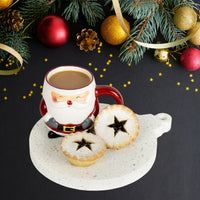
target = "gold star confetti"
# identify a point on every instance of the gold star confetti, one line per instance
(196, 90)
(160, 74)
(4, 89)
(41, 93)
(129, 82)
(31, 92)
(110, 84)
(125, 85)
(191, 75)
(167, 63)
(178, 83)
(6, 65)
(111, 55)
(90, 64)
(104, 69)
(187, 88)
(34, 84)
(95, 69)
(41, 86)
(2, 59)
(101, 75)
(170, 65)
(45, 59)
(129, 64)
(192, 80)
(5, 98)
(151, 79)
(99, 51)
(24, 97)
(23, 68)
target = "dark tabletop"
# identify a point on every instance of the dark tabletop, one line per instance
(149, 87)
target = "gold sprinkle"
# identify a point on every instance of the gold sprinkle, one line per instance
(187, 88)
(9, 60)
(41, 93)
(31, 92)
(41, 86)
(107, 63)
(125, 85)
(129, 64)
(100, 44)
(101, 75)
(23, 68)
(104, 69)
(99, 51)
(170, 65)
(24, 97)
(95, 69)
(99, 48)
(196, 90)
(45, 59)
(4, 89)
(191, 75)
(178, 83)
(192, 80)
(129, 82)
(111, 84)
(90, 64)
(160, 74)
(6, 65)
(5, 98)
(10, 63)
(167, 63)
(111, 55)
(2, 59)
(151, 79)
(34, 84)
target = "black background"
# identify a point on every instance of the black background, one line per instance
(175, 174)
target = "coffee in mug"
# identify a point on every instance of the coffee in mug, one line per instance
(69, 80)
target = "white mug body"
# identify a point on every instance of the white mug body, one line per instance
(82, 100)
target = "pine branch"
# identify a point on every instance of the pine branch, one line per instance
(91, 9)
(15, 40)
(145, 31)
(167, 27)
(33, 11)
(137, 9)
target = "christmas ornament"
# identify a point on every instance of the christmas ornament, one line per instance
(196, 38)
(185, 18)
(5, 4)
(12, 20)
(190, 59)
(87, 40)
(53, 31)
(161, 55)
(112, 32)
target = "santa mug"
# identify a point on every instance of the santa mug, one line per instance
(70, 99)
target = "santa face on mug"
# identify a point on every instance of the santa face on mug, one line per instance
(70, 108)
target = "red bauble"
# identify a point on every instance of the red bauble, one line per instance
(53, 31)
(190, 59)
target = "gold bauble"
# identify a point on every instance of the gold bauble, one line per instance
(112, 32)
(196, 38)
(161, 55)
(5, 4)
(185, 18)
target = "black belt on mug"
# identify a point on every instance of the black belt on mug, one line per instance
(70, 129)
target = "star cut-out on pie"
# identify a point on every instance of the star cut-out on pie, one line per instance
(118, 126)
(84, 143)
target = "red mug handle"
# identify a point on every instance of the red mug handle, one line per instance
(111, 91)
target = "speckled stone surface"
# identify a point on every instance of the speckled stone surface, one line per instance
(115, 169)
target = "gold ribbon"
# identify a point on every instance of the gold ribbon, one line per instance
(118, 13)
(14, 53)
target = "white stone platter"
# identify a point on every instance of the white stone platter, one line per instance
(115, 169)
